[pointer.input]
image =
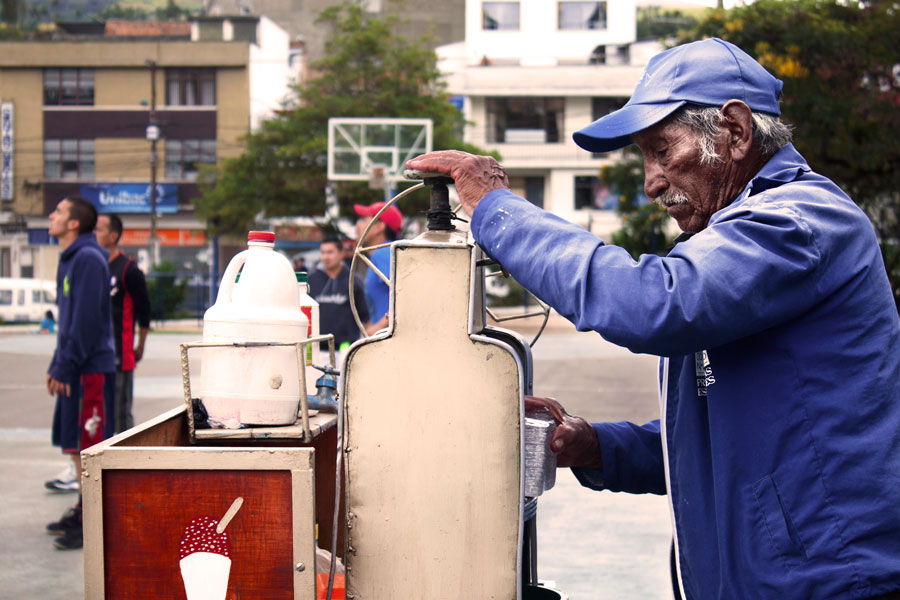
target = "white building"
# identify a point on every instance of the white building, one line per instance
(532, 72)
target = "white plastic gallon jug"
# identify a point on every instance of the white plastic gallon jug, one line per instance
(260, 385)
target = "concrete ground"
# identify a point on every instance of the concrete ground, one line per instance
(592, 545)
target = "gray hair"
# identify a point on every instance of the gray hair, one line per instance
(770, 134)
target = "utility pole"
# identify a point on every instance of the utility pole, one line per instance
(153, 136)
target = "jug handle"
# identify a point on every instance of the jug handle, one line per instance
(225, 288)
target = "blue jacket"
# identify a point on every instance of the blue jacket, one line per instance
(779, 442)
(85, 341)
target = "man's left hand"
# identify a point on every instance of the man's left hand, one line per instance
(574, 441)
(58, 388)
(474, 176)
(138, 352)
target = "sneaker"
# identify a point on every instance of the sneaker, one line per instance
(65, 481)
(72, 539)
(70, 520)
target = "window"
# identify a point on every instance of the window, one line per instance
(524, 120)
(529, 187)
(602, 106)
(593, 192)
(68, 87)
(500, 15)
(183, 158)
(35, 296)
(582, 15)
(191, 87)
(6, 297)
(68, 159)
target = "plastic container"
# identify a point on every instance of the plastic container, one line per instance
(310, 308)
(259, 385)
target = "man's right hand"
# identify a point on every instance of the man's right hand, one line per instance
(474, 176)
(574, 441)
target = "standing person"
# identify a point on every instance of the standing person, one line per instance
(85, 351)
(385, 230)
(778, 442)
(130, 305)
(330, 286)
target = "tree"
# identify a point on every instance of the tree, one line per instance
(840, 63)
(643, 228)
(655, 23)
(367, 72)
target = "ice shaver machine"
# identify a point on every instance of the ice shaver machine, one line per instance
(442, 473)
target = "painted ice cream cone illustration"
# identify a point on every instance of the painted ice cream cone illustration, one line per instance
(205, 556)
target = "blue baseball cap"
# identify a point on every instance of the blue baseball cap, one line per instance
(709, 73)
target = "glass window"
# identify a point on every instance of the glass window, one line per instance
(35, 296)
(500, 15)
(70, 87)
(593, 192)
(191, 87)
(525, 120)
(6, 297)
(20, 297)
(184, 157)
(68, 159)
(582, 15)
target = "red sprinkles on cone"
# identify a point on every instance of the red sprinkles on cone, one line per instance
(200, 536)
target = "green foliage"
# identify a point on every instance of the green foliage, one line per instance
(655, 23)
(643, 227)
(367, 72)
(840, 62)
(166, 291)
(127, 13)
(11, 32)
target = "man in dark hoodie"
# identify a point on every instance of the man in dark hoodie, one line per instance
(85, 350)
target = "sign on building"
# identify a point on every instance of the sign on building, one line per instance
(131, 197)
(7, 174)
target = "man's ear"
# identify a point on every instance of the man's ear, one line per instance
(739, 124)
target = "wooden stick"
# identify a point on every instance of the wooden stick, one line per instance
(225, 520)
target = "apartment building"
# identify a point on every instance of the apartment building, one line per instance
(82, 111)
(529, 74)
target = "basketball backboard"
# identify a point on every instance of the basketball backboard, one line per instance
(357, 145)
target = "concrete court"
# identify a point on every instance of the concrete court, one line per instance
(592, 545)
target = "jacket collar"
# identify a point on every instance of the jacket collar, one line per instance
(785, 166)
(83, 239)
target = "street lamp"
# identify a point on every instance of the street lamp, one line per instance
(153, 136)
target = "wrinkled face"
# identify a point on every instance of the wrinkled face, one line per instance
(105, 236)
(674, 176)
(331, 255)
(60, 219)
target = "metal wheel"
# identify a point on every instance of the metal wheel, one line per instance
(359, 255)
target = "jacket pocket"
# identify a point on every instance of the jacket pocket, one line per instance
(777, 522)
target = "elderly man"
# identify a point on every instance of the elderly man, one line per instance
(779, 438)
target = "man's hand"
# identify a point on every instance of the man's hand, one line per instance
(58, 388)
(574, 441)
(138, 352)
(474, 176)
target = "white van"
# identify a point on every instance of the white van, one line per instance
(26, 299)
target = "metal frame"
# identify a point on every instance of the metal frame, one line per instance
(300, 347)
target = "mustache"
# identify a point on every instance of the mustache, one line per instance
(671, 197)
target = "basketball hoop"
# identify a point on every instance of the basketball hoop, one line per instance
(376, 177)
